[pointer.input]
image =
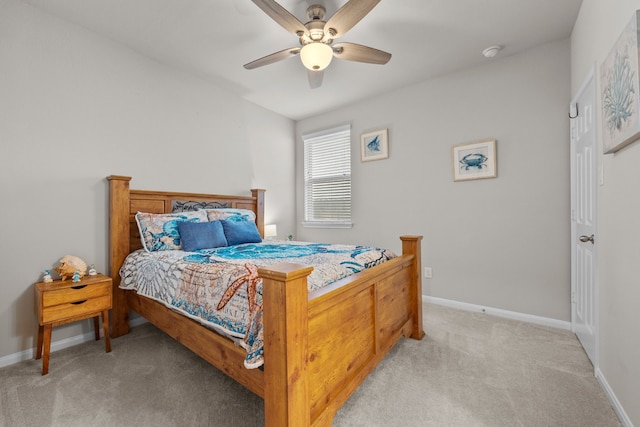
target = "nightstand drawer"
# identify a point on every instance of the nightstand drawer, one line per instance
(75, 293)
(77, 308)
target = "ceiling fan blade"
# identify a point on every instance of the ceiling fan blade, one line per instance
(282, 16)
(360, 53)
(274, 57)
(315, 78)
(348, 16)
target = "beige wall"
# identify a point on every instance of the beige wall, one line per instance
(598, 26)
(74, 108)
(500, 243)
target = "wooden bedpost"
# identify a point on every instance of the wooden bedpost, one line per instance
(411, 246)
(286, 346)
(259, 195)
(119, 246)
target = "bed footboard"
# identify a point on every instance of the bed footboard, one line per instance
(320, 346)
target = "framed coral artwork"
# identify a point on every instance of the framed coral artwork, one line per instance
(620, 92)
(476, 160)
(374, 145)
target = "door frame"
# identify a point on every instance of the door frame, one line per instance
(591, 75)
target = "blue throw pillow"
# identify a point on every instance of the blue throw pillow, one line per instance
(238, 232)
(201, 235)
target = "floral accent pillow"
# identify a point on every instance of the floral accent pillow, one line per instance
(159, 232)
(230, 214)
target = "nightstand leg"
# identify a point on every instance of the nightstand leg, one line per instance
(96, 327)
(47, 349)
(105, 325)
(40, 338)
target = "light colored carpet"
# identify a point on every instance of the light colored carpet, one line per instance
(472, 369)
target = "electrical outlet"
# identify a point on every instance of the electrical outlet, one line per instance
(428, 273)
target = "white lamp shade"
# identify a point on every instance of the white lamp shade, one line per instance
(316, 56)
(270, 230)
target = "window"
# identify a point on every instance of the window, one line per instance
(327, 178)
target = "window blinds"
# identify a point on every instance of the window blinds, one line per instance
(327, 176)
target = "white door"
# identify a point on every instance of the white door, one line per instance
(584, 286)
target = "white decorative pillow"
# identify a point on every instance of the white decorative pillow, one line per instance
(159, 232)
(230, 214)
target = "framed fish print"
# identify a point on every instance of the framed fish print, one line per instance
(476, 160)
(374, 145)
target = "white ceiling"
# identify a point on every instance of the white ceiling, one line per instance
(214, 38)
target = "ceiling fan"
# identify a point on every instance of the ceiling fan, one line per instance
(317, 35)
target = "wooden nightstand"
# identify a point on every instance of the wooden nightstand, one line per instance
(61, 302)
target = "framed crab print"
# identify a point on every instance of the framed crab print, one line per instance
(476, 160)
(374, 145)
(619, 81)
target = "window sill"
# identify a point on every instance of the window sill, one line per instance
(326, 224)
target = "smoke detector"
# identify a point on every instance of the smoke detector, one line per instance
(491, 51)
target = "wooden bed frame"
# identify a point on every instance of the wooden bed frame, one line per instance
(319, 346)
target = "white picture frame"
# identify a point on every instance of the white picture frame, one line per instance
(619, 81)
(374, 145)
(476, 160)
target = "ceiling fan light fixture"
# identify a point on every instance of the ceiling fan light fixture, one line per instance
(316, 37)
(316, 56)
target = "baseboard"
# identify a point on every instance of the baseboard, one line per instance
(615, 403)
(545, 321)
(137, 320)
(21, 356)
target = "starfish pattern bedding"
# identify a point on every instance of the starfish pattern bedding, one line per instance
(220, 287)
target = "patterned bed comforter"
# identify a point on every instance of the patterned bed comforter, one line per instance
(220, 287)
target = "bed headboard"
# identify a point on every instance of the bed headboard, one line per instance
(124, 203)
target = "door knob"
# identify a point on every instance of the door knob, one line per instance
(585, 239)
